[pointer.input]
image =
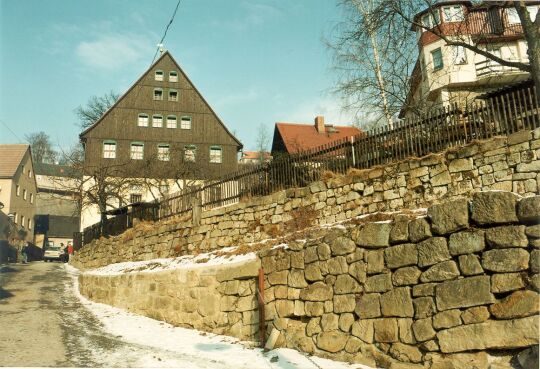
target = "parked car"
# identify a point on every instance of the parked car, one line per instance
(53, 253)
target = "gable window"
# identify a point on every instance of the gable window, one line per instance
(157, 120)
(163, 152)
(142, 120)
(453, 13)
(189, 153)
(29, 173)
(137, 150)
(15, 217)
(513, 17)
(24, 194)
(171, 121)
(173, 95)
(158, 94)
(533, 12)
(22, 221)
(436, 56)
(185, 122)
(459, 55)
(31, 198)
(158, 76)
(29, 224)
(135, 197)
(215, 154)
(431, 19)
(173, 76)
(109, 149)
(18, 190)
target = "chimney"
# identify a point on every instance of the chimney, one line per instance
(319, 123)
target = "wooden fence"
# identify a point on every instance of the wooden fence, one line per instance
(446, 127)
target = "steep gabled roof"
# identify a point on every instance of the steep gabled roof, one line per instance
(11, 156)
(166, 53)
(299, 137)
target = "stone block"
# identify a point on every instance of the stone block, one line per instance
(242, 271)
(443, 271)
(379, 283)
(344, 303)
(333, 341)
(406, 276)
(284, 308)
(375, 261)
(368, 306)
(342, 246)
(324, 251)
(401, 255)
(466, 242)
(297, 279)
(313, 326)
(505, 260)
(346, 284)
(425, 289)
(397, 302)
(400, 229)
(406, 334)
(494, 334)
(533, 231)
(424, 307)
(447, 319)
(506, 282)
(470, 265)
(312, 272)
(374, 235)
(317, 291)
(534, 262)
(449, 216)
(337, 265)
(358, 270)
(470, 360)
(493, 207)
(506, 236)
(277, 278)
(314, 308)
(423, 330)
(363, 329)
(386, 330)
(460, 165)
(345, 322)
(419, 229)
(517, 305)
(329, 322)
(529, 209)
(405, 353)
(432, 251)
(477, 314)
(471, 291)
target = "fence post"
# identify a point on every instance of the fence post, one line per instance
(353, 153)
(196, 210)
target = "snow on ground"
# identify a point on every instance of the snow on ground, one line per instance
(188, 348)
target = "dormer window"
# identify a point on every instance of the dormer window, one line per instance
(158, 94)
(453, 13)
(142, 121)
(158, 76)
(173, 95)
(431, 19)
(173, 76)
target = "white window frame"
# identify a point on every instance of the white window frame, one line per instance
(185, 122)
(173, 95)
(22, 221)
(456, 13)
(158, 94)
(158, 75)
(142, 120)
(163, 152)
(172, 123)
(159, 122)
(18, 190)
(433, 52)
(131, 195)
(216, 158)
(459, 55)
(431, 19)
(173, 78)
(31, 198)
(136, 151)
(24, 194)
(109, 149)
(190, 153)
(29, 224)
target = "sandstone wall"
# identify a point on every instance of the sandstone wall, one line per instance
(505, 163)
(220, 299)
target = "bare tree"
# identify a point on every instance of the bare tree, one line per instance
(95, 108)
(42, 151)
(262, 142)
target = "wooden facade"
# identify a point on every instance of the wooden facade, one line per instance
(121, 127)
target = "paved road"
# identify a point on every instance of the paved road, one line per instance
(43, 323)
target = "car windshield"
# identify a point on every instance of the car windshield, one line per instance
(53, 248)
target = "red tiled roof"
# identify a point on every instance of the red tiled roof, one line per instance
(254, 155)
(299, 137)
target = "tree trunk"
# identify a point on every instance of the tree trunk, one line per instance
(531, 29)
(380, 80)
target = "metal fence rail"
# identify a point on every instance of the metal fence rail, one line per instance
(443, 128)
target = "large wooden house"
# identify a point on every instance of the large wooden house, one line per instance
(160, 132)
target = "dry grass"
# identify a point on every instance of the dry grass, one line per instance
(302, 218)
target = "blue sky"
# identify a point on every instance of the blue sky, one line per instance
(255, 61)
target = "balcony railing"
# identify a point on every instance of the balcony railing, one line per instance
(487, 68)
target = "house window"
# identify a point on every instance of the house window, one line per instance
(189, 153)
(436, 56)
(15, 217)
(173, 95)
(29, 224)
(143, 120)
(22, 221)
(29, 173)
(459, 55)
(163, 152)
(137, 150)
(185, 123)
(158, 75)
(215, 154)
(109, 149)
(135, 197)
(157, 120)
(24, 194)
(173, 76)
(31, 198)
(171, 121)
(431, 19)
(513, 17)
(18, 190)
(453, 13)
(158, 94)
(533, 12)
